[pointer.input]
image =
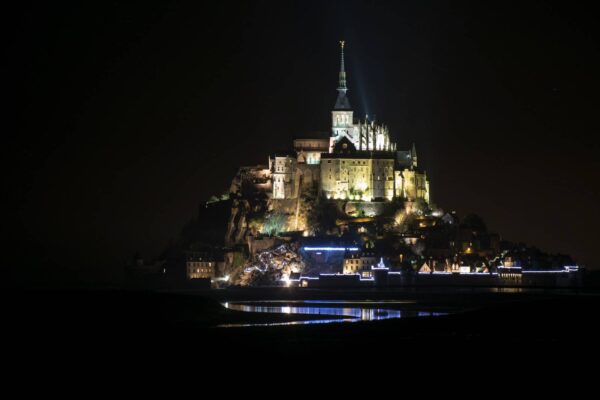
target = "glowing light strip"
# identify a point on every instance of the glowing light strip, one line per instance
(477, 273)
(435, 273)
(331, 249)
(546, 272)
(456, 273)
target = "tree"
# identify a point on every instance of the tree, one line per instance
(275, 222)
(323, 217)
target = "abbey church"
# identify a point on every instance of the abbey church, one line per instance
(358, 162)
(349, 209)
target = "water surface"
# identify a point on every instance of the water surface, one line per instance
(340, 310)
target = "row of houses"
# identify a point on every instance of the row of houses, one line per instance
(381, 276)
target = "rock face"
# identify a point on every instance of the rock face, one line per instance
(245, 212)
(236, 226)
(250, 190)
(271, 266)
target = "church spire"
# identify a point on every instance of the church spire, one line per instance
(342, 85)
(342, 102)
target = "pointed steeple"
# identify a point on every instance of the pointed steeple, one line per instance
(342, 102)
(342, 83)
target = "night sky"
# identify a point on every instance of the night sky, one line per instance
(128, 115)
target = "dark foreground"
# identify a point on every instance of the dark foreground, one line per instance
(491, 322)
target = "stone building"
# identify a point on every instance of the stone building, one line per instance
(283, 170)
(199, 266)
(309, 151)
(358, 162)
(355, 263)
(357, 175)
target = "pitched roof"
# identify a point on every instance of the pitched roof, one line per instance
(342, 102)
(344, 146)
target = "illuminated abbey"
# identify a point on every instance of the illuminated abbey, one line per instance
(349, 209)
(358, 162)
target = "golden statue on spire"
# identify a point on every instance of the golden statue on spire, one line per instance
(342, 43)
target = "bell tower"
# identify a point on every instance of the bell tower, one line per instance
(342, 114)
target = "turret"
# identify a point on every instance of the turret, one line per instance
(413, 155)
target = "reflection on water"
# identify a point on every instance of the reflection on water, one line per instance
(353, 302)
(311, 321)
(343, 313)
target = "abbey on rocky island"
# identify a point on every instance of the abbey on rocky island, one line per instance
(358, 162)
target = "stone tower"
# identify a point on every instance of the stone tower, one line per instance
(342, 114)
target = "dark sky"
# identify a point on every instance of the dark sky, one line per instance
(130, 114)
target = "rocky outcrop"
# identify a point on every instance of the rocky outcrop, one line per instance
(236, 226)
(272, 266)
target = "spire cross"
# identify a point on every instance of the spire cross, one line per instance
(342, 68)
